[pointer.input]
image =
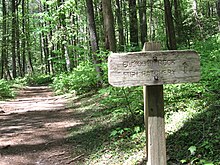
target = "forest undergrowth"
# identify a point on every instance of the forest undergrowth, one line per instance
(113, 132)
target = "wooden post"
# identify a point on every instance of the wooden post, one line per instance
(154, 119)
(152, 68)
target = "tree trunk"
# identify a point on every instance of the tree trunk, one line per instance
(23, 40)
(45, 46)
(29, 40)
(143, 21)
(126, 21)
(120, 25)
(13, 38)
(218, 8)
(94, 40)
(109, 25)
(92, 26)
(151, 24)
(178, 21)
(218, 12)
(195, 13)
(208, 13)
(133, 22)
(171, 44)
(4, 32)
(18, 44)
(63, 41)
(46, 53)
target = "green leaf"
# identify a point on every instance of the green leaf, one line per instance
(137, 129)
(113, 133)
(183, 161)
(192, 150)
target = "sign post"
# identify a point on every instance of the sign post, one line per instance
(154, 119)
(152, 68)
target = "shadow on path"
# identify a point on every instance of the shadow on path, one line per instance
(34, 129)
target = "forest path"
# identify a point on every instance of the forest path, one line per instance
(34, 129)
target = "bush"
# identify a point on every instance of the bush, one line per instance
(5, 90)
(38, 79)
(210, 62)
(127, 101)
(83, 78)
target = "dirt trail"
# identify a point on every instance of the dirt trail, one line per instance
(33, 129)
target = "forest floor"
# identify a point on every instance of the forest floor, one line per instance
(34, 129)
(39, 128)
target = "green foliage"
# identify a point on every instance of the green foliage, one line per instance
(210, 62)
(186, 101)
(123, 100)
(124, 133)
(37, 79)
(83, 78)
(198, 139)
(5, 89)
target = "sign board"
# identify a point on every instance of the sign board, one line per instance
(153, 68)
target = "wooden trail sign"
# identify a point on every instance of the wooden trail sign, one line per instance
(153, 68)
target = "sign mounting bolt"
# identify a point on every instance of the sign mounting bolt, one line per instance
(156, 78)
(155, 59)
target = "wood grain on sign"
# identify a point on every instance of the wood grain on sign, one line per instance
(153, 68)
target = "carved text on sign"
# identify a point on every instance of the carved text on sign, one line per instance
(148, 63)
(153, 68)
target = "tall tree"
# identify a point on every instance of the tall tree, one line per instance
(143, 21)
(92, 26)
(13, 38)
(178, 21)
(151, 23)
(133, 22)
(62, 27)
(196, 17)
(93, 38)
(45, 42)
(109, 25)
(218, 7)
(4, 27)
(17, 31)
(28, 37)
(171, 37)
(218, 12)
(120, 25)
(23, 39)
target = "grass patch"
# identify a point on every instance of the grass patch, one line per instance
(201, 133)
(113, 129)
(107, 137)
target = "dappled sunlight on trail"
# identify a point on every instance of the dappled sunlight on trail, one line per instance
(34, 126)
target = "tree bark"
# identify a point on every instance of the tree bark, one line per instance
(93, 39)
(218, 8)
(4, 32)
(18, 44)
(23, 40)
(13, 38)
(195, 13)
(143, 21)
(218, 12)
(178, 21)
(171, 37)
(120, 25)
(151, 24)
(133, 22)
(63, 41)
(92, 26)
(29, 40)
(109, 25)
